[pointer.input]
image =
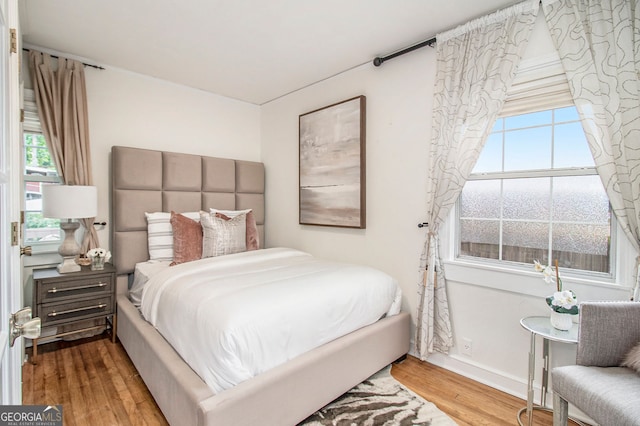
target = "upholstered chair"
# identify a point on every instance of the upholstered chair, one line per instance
(598, 385)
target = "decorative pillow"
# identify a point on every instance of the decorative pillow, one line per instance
(632, 359)
(220, 236)
(187, 239)
(160, 234)
(253, 237)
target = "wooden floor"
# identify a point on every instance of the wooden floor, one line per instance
(97, 384)
(467, 402)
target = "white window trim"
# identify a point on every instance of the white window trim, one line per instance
(552, 173)
(502, 276)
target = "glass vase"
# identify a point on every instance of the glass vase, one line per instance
(97, 263)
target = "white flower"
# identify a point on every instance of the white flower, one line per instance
(564, 302)
(547, 271)
(548, 274)
(99, 252)
(565, 299)
(538, 266)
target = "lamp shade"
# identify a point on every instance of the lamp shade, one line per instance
(69, 201)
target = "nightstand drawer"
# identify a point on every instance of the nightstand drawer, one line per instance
(53, 313)
(95, 286)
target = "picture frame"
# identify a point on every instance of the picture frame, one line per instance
(332, 173)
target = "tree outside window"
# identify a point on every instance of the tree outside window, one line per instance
(39, 169)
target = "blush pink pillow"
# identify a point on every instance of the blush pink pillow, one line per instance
(253, 239)
(187, 239)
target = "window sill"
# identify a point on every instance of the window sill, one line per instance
(40, 258)
(530, 283)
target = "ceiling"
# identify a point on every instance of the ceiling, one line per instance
(250, 50)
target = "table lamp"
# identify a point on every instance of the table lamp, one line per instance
(69, 202)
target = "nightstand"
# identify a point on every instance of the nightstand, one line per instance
(69, 299)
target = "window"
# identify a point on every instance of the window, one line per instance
(535, 194)
(39, 169)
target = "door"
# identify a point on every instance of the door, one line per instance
(10, 271)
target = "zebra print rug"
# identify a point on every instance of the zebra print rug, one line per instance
(379, 401)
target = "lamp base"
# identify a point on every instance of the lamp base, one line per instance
(68, 265)
(69, 248)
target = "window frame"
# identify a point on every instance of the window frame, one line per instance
(531, 174)
(31, 125)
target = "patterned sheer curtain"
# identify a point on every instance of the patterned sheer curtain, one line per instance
(599, 43)
(476, 64)
(62, 105)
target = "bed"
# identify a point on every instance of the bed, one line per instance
(157, 181)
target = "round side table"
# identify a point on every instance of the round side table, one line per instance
(541, 326)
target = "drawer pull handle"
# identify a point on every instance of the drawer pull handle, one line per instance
(71, 311)
(80, 287)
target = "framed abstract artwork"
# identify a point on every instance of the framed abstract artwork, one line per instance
(332, 165)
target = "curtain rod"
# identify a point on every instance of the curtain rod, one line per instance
(57, 57)
(379, 60)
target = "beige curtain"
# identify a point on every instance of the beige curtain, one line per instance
(599, 44)
(62, 105)
(476, 66)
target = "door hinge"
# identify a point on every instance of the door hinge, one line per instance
(14, 40)
(22, 115)
(15, 233)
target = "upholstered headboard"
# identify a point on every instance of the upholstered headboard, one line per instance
(158, 181)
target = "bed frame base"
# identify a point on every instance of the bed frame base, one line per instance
(284, 395)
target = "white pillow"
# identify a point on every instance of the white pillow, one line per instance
(160, 234)
(220, 236)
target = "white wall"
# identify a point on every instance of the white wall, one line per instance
(398, 120)
(138, 111)
(486, 306)
(135, 110)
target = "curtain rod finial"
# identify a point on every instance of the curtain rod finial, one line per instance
(378, 61)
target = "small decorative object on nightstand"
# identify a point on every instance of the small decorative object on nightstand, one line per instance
(71, 298)
(98, 258)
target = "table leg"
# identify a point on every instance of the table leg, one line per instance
(34, 354)
(532, 370)
(545, 372)
(114, 327)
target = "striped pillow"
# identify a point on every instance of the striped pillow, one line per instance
(160, 234)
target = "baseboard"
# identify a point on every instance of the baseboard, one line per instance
(496, 379)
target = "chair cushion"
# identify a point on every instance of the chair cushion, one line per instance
(609, 395)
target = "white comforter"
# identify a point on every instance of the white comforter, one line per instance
(233, 317)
